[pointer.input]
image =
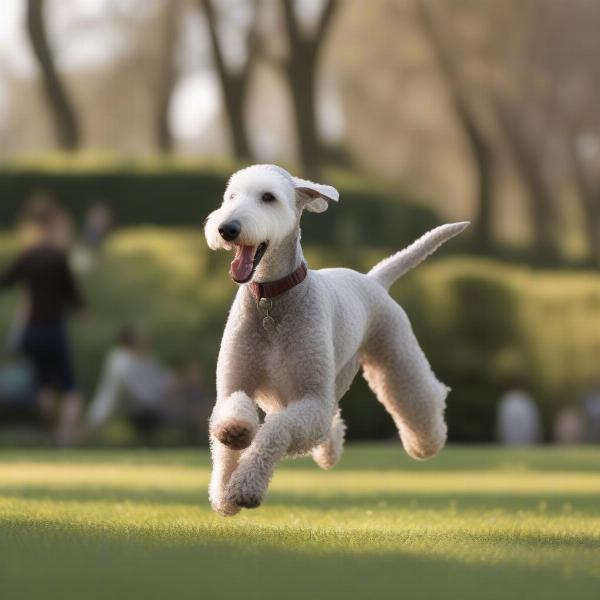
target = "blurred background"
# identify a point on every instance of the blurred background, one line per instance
(120, 121)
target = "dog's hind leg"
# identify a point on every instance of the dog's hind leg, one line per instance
(328, 454)
(399, 374)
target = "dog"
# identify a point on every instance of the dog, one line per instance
(295, 339)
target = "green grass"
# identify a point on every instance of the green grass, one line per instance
(474, 523)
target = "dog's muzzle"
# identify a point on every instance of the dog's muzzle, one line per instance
(230, 230)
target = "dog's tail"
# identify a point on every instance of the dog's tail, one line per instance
(392, 268)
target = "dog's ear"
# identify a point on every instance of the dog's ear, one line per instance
(314, 196)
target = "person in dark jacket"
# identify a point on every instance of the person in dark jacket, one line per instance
(42, 271)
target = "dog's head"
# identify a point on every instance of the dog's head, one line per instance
(261, 207)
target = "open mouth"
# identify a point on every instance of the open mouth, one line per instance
(245, 261)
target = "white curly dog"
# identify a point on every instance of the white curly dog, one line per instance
(295, 339)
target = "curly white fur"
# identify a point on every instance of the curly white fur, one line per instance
(327, 327)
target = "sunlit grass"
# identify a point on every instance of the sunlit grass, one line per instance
(468, 525)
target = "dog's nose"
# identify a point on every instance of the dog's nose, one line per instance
(230, 230)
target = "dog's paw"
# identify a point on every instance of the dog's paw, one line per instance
(225, 509)
(244, 491)
(235, 433)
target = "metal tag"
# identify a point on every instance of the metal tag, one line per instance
(269, 323)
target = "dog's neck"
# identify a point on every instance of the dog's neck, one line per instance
(280, 260)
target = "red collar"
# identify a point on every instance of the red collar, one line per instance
(270, 289)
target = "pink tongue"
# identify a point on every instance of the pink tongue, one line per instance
(241, 265)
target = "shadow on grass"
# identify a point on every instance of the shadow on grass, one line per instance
(72, 562)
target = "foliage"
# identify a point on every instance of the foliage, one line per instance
(482, 324)
(175, 192)
(474, 523)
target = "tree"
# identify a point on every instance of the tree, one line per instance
(575, 47)
(301, 70)
(523, 101)
(234, 83)
(480, 148)
(167, 75)
(495, 88)
(588, 189)
(527, 153)
(61, 108)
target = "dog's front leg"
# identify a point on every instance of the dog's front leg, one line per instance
(234, 420)
(233, 425)
(296, 429)
(224, 461)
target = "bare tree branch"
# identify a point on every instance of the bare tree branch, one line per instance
(61, 108)
(325, 22)
(234, 84)
(167, 76)
(291, 23)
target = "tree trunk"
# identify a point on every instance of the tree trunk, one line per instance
(61, 109)
(234, 85)
(234, 93)
(589, 197)
(591, 206)
(481, 151)
(301, 70)
(483, 158)
(301, 75)
(540, 195)
(167, 77)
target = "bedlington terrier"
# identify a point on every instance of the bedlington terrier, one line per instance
(295, 338)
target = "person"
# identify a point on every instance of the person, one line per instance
(518, 420)
(42, 271)
(569, 426)
(590, 404)
(131, 372)
(195, 403)
(97, 226)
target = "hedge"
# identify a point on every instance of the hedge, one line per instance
(480, 322)
(183, 197)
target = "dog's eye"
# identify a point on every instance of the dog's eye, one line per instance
(268, 197)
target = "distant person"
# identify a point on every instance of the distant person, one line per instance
(569, 427)
(518, 421)
(42, 271)
(590, 403)
(196, 405)
(97, 226)
(132, 375)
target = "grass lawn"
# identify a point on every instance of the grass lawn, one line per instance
(473, 523)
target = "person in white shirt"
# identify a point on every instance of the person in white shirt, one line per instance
(132, 374)
(518, 419)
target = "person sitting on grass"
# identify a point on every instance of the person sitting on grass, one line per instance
(131, 372)
(42, 271)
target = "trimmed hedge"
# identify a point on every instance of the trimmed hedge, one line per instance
(480, 322)
(177, 197)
